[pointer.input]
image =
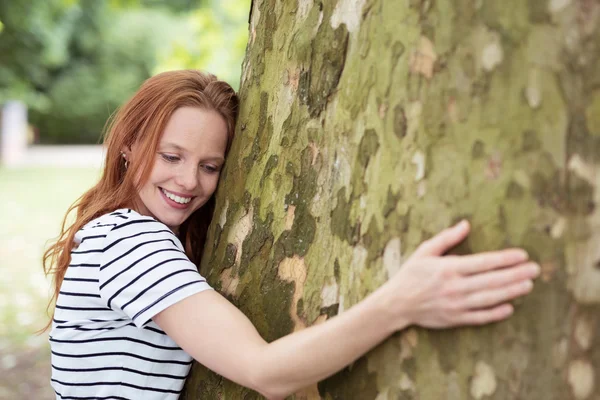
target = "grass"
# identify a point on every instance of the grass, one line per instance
(33, 202)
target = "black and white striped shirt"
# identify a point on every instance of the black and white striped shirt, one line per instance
(125, 269)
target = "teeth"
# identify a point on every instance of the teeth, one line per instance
(177, 199)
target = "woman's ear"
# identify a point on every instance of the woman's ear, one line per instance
(126, 153)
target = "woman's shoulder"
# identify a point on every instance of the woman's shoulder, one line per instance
(121, 222)
(121, 217)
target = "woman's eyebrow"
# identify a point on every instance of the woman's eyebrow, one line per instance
(176, 147)
(214, 158)
(172, 145)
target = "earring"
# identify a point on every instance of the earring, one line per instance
(125, 158)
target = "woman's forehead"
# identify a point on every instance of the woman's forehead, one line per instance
(192, 129)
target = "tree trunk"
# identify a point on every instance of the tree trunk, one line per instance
(369, 125)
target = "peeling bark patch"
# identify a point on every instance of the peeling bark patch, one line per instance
(492, 55)
(584, 333)
(558, 228)
(548, 270)
(406, 383)
(308, 393)
(294, 270)
(422, 60)
(238, 233)
(392, 256)
(419, 161)
(229, 283)
(559, 353)
(493, 167)
(582, 169)
(484, 381)
(330, 295)
(533, 91)
(409, 340)
(289, 217)
(223, 217)
(315, 152)
(413, 117)
(557, 5)
(348, 12)
(584, 280)
(303, 7)
(421, 189)
(581, 379)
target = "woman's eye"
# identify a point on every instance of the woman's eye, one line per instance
(210, 168)
(169, 158)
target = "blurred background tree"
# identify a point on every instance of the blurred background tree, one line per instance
(73, 62)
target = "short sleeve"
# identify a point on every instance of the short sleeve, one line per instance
(143, 270)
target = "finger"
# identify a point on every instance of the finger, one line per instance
(498, 278)
(444, 241)
(489, 298)
(486, 261)
(481, 317)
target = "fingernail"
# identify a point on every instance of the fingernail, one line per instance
(524, 254)
(537, 269)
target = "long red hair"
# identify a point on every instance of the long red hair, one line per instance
(142, 120)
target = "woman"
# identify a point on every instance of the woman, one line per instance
(132, 309)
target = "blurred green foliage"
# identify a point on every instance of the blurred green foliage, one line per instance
(75, 61)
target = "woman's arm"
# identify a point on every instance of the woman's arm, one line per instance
(430, 290)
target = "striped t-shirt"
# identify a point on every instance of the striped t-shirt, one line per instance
(124, 270)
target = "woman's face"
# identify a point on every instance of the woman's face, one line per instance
(186, 167)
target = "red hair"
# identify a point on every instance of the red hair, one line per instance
(142, 120)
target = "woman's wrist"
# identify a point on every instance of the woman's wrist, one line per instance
(390, 313)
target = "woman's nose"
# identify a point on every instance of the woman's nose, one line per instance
(188, 178)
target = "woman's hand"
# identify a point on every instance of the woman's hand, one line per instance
(437, 291)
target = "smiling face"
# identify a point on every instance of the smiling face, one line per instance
(187, 165)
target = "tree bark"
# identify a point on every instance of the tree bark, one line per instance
(369, 125)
